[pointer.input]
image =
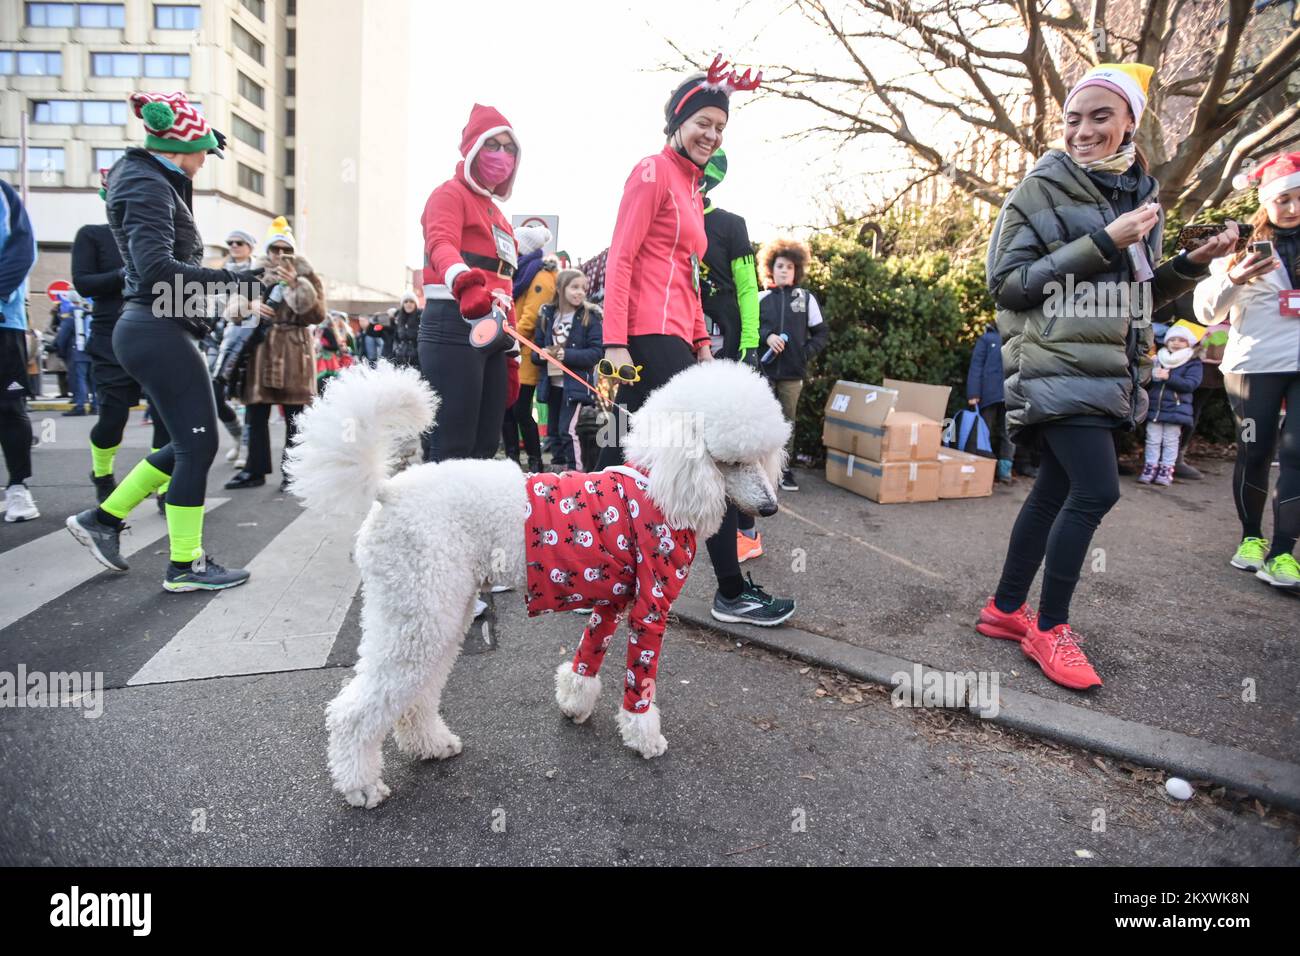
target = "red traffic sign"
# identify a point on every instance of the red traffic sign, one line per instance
(57, 286)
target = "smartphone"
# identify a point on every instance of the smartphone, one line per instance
(1189, 237)
(1262, 249)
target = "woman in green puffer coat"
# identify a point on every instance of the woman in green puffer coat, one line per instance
(1073, 266)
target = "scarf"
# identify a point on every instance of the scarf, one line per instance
(1114, 163)
(1168, 359)
(529, 266)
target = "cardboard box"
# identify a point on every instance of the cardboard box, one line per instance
(962, 475)
(899, 421)
(889, 482)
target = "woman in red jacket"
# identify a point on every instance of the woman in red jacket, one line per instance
(469, 258)
(654, 319)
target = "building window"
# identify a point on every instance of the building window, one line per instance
(103, 16)
(167, 16)
(290, 82)
(29, 63)
(256, 7)
(247, 132)
(105, 158)
(251, 91)
(288, 203)
(290, 122)
(250, 178)
(140, 64)
(290, 42)
(245, 41)
(290, 161)
(40, 159)
(72, 112)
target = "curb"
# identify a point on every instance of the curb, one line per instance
(1275, 781)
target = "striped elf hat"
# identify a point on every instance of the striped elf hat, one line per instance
(172, 125)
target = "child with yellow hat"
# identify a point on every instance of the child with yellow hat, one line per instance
(1176, 374)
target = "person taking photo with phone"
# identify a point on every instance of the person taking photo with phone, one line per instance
(1258, 293)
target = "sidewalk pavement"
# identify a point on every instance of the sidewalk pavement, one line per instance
(1199, 659)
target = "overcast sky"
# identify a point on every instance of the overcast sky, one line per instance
(575, 80)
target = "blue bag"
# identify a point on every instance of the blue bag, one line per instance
(968, 420)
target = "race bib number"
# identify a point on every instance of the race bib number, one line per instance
(1288, 303)
(505, 246)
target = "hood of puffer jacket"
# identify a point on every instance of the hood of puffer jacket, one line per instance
(484, 121)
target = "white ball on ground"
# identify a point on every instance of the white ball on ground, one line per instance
(1178, 788)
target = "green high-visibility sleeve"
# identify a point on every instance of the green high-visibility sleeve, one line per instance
(746, 279)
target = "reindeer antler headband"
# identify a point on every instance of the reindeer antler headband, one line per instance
(713, 89)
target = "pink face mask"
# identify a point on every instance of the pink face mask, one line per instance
(494, 168)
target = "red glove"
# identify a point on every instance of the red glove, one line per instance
(470, 290)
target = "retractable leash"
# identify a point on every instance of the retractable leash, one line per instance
(522, 340)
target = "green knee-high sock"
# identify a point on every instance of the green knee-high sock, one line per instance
(185, 528)
(140, 482)
(162, 489)
(101, 459)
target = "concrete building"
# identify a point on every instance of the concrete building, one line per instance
(350, 175)
(70, 66)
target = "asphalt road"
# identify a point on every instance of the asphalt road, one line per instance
(769, 761)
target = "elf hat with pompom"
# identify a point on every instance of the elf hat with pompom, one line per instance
(173, 125)
(1274, 176)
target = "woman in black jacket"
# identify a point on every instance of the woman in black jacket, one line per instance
(1074, 268)
(166, 307)
(406, 332)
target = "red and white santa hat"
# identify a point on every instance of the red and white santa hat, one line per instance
(1272, 177)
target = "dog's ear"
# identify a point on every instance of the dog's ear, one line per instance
(685, 481)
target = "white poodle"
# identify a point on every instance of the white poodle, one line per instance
(436, 532)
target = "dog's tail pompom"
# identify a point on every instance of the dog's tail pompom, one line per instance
(348, 440)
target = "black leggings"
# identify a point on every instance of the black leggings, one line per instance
(16, 438)
(118, 393)
(1256, 401)
(259, 435)
(662, 357)
(164, 359)
(1078, 482)
(522, 423)
(225, 411)
(471, 385)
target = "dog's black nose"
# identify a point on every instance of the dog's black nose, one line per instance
(767, 510)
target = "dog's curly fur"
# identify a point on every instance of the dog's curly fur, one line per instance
(436, 532)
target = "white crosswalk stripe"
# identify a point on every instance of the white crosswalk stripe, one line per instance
(285, 618)
(51, 565)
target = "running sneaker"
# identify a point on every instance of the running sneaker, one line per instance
(1148, 473)
(104, 485)
(103, 540)
(752, 605)
(787, 481)
(19, 505)
(1059, 655)
(1250, 554)
(1011, 627)
(1164, 475)
(1282, 572)
(747, 547)
(208, 576)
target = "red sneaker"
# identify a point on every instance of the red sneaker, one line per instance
(1060, 657)
(1012, 627)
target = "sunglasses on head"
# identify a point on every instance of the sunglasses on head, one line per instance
(624, 373)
